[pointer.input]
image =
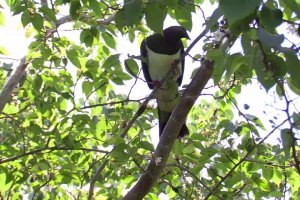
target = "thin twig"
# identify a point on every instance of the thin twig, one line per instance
(193, 175)
(50, 149)
(112, 103)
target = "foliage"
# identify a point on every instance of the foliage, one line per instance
(53, 139)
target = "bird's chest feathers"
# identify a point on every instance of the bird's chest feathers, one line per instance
(160, 64)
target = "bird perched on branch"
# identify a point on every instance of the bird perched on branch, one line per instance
(163, 59)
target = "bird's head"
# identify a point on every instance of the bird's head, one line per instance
(173, 34)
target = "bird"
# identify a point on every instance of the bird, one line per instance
(162, 53)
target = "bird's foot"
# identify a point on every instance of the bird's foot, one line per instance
(157, 83)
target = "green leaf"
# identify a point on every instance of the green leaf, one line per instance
(64, 60)
(277, 65)
(267, 173)
(96, 8)
(2, 180)
(233, 64)
(109, 40)
(34, 128)
(293, 63)
(38, 22)
(287, 141)
(220, 58)
(37, 83)
(75, 7)
(111, 61)
(184, 17)
(87, 88)
(256, 120)
(213, 20)
(294, 6)
(63, 103)
(255, 59)
(228, 113)
(294, 85)
(296, 120)
(276, 194)
(131, 67)
(130, 14)
(92, 65)
(121, 75)
(156, 13)
(189, 149)
(269, 39)
(232, 180)
(146, 145)
(49, 13)
(73, 56)
(242, 25)
(25, 18)
(3, 51)
(264, 185)
(2, 19)
(117, 81)
(81, 117)
(235, 10)
(87, 37)
(271, 18)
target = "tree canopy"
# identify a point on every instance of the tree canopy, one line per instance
(67, 131)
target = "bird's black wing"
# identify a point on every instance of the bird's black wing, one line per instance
(145, 66)
(179, 79)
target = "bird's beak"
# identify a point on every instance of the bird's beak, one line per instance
(187, 36)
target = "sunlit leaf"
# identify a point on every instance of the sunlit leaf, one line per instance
(87, 88)
(2, 19)
(3, 51)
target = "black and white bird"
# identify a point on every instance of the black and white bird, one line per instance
(161, 54)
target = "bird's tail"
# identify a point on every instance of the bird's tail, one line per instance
(163, 118)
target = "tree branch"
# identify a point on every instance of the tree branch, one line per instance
(37, 151)
(195, 177)
(12, 83)
(161, 154)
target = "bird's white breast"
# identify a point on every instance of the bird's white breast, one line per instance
(160, 64)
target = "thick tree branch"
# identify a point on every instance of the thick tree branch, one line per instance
(12, 83)
(158, 163)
